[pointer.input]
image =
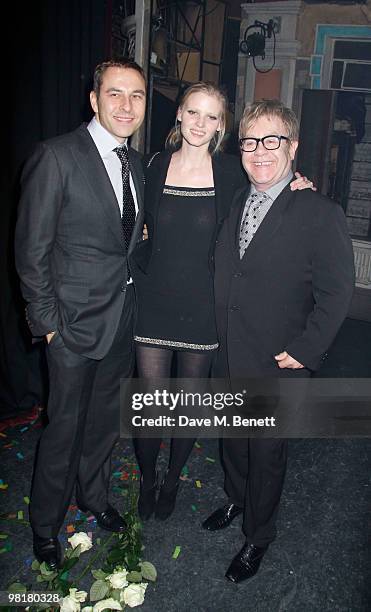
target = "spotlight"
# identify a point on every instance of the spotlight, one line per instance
(253, 45)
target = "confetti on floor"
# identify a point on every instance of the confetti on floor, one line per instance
(198, 484)
(70, 529)
(176, 552)
(26, 500)
(210, 459)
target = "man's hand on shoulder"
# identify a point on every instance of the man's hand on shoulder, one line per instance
(284, 360)
(49, 336)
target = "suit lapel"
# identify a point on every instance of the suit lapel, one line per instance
(269, 226)
(136, 170)
(234, 222)
(92, 167)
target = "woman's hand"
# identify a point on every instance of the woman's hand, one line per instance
(145, 231)
(301, 182)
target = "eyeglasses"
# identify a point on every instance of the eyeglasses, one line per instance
(269, 142)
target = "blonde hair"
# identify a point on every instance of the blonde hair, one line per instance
(269, 108)
(174, 138)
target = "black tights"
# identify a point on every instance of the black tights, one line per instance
(153, 362)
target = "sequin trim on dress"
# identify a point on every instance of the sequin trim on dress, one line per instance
(176, 344)
(194, 194)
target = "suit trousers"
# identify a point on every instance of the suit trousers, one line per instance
(83, 412)
(254, 475)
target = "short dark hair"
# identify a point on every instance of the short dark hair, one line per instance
(113, 63)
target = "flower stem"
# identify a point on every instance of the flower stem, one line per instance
(94, 558)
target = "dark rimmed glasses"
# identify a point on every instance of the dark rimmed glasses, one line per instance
(269, 142)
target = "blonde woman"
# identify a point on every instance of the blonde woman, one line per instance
(189, 190)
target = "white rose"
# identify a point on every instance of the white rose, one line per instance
(81, 538)
(69, 604)
(133, 595)
(118, 580)
(78, 596)
(107, 604)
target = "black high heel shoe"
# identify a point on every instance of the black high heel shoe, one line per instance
(147, 500)
(166, 501)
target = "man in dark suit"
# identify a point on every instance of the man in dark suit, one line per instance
(80, 215)
(284, 278)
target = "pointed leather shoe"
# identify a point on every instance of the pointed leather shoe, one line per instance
(222, 517)
(146, 500)
(246, 563)
(166, 502)
(109, 519)
(48, 550)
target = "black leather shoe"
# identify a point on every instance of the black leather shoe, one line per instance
(166, 502)
(109, 519)
(222, 517)
(146, 500)
(48, 550)
(246, 563)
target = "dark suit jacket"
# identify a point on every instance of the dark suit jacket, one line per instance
(70, 252)
(291, 290)
(228, 177)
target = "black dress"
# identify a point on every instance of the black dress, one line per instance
(175, 296)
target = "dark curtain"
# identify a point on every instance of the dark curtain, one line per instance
(52, 49)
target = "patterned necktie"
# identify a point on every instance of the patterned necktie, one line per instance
(254, 212)
(128, 206)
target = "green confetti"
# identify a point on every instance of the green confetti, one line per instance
(20, 515)
(26, 500)
(197, 445)
(210, 459)
(3, 536)
(176, 552)
(194, 508)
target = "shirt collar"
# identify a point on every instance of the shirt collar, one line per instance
(104, 141)
(274, 191)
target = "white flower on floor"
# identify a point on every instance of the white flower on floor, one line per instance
(107, 604)
(69, 604)
(81, 538)
(79, 596)
(118, 580)
(133, 595)
(72, 602)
